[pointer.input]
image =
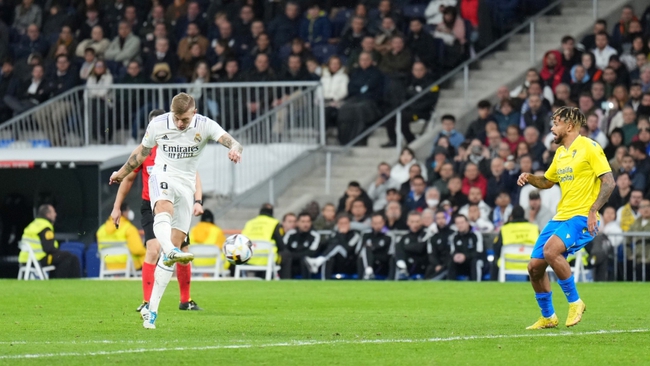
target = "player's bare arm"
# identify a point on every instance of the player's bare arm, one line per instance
(122, 191)
(135, 160)
(235, 147)
(537, 181)
(607, 185)
(198, 197)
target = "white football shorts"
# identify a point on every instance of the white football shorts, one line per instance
(162, 187)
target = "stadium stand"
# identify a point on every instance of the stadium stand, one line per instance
(603, 70)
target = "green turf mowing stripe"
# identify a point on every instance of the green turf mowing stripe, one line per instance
(532, 334)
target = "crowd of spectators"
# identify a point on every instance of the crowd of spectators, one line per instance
(468, 183)
(370, 54)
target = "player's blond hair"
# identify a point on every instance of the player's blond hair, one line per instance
(571, 115)
(182, 103)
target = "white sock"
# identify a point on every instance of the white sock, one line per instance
(162, 276)
(162, 229)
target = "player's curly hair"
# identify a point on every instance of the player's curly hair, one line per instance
(571, 116)
(182, 103)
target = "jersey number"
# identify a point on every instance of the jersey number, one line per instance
(163, 185)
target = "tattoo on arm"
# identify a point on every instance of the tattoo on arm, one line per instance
(607, 185)
(540, 182)
(136, 159)
(229, 142)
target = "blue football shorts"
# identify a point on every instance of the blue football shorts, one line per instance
(573, 232)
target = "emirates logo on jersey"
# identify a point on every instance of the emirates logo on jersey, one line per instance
(179, 152)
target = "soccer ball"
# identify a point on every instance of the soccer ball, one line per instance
(238, 249)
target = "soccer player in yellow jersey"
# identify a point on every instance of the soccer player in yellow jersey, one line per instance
(586, 181)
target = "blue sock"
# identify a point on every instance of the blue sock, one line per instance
(569, 289)
(545, 301)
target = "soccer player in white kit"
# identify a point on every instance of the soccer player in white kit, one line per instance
(180, 135)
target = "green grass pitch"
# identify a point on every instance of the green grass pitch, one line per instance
(319, 323)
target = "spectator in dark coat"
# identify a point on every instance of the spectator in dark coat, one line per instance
(476, 129)
(415, 199)
(352, 193)
(243, 23)
(361, 108)
(315, 28)
(419, 81)
(161, 54)
(351, 39)
(285, 27)
(26, 94)
(366, 82)
(397, 62)
(64, 78)
(194, 15)
(56, 19)
(536, 115)
(261, 99)
(620, 31)
(506, 116)
(588, 42)
(499, 181)
(422, 45)
(30, 43)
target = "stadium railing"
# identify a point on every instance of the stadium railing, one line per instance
(624, 256)
(117, 114)
(276, 122)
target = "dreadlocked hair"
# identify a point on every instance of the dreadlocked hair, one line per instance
(571, 115)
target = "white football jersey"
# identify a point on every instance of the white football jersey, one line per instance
(178, 151)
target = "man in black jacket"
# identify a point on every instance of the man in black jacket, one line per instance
(351, 194)
(160, 54)
(297, 245)
(411, 257)
(419, 81)
(537, 115)
(351, 39)
(64, 77)
(27, 94)
(261, 99)
(375, 258)
(422, 45)
(342, 250)
(464, 251)
(285, 27)
(438, 248)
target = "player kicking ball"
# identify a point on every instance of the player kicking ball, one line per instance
(180, 135)
(183, 271)
(586, 181)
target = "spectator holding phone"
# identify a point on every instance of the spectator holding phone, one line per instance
(383, 182)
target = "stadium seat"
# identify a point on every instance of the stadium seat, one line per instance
(41, 143)
(266, 251)
(324, 52)
(32, 269)
(284, 52)
(115, 248)
(4, 143)
(515, 254)
(92, 261)
(340, 20)
(77, 249)
(414, 11)
(207, 252)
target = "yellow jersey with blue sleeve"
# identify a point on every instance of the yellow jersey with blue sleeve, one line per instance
(577, 170)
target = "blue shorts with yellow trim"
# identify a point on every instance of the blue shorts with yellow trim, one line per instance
(573, 232)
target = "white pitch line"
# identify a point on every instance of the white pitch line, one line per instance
(317, 343)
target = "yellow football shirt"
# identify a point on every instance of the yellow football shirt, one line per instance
(577, 170)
